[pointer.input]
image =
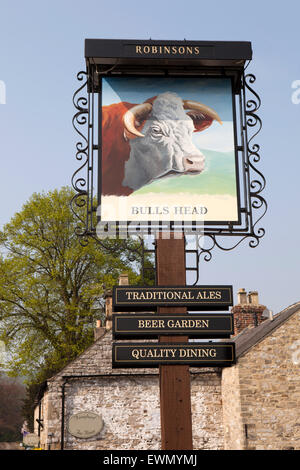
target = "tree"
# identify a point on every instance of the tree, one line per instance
(48, 283)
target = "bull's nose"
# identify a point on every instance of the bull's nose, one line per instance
(193, 163)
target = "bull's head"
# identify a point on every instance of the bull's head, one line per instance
(160, 135)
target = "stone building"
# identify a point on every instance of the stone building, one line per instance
(254, 404)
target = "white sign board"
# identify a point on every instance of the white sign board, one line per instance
(31, 440)
(85, 424)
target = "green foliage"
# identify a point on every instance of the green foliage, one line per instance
(48, 284)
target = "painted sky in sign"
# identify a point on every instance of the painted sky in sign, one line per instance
(215, 93)
(212, 92)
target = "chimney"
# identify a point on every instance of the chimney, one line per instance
(253, 297)
(99, 330)
(123, 281)
(271, 316)
(108, 309)
(242, 296)
(248, 312)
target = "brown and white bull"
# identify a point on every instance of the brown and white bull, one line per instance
(145, 142)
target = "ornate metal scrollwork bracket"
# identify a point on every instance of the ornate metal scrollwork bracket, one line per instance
(79, 178)
(258, 182)
(227, 237)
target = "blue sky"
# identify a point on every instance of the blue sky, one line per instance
(41, 51)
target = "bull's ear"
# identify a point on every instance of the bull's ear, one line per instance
(201, 114)
(201, 121)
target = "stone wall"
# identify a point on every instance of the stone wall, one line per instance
(207, 420)
(128, 401)
(270, 389)
(42, 413)
(234, 437)
(129, 407)
(261, 394)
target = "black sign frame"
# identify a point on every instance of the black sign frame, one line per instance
(127, 326)
(144, 225)
(125, 305)
(110, 51)
(225, 354)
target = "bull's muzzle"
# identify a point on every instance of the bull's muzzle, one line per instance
(193, 164)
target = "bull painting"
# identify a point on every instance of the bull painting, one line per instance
(168, 149)
(152, 140)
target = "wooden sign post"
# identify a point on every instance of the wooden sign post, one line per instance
(173, 326)
(175, 394)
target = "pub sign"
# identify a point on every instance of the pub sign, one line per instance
(205, 354)
(130, 298)
(151, 326)
(166, 140)
(168, 149)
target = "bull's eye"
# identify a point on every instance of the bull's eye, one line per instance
(158, 131)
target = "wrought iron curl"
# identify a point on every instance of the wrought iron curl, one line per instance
(79, 182)
(257, 185)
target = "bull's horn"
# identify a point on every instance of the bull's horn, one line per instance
(187, 104)
(139, 113)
